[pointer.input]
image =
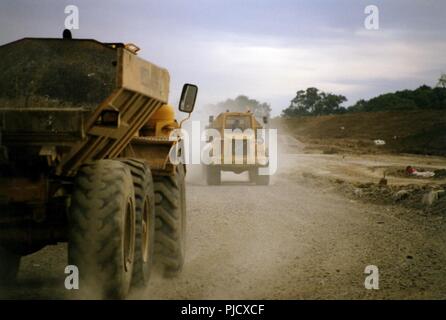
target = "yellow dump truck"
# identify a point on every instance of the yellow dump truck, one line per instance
(239, 147)
(84, 159)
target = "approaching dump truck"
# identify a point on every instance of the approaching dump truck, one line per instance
(84, 159)
(240, 149)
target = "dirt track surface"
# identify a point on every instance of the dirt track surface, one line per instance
(291, 240)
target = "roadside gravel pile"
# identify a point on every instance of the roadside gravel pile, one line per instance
(428, 198)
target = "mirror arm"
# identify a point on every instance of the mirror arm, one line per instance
(185, 119)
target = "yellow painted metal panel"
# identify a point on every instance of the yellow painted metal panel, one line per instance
(143, 77)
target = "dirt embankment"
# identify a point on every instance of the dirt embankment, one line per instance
(426, 199)
(417, 132)
(342, 150)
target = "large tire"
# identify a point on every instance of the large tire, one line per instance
(170, 238)
(9, 267)
(102, 229)
(213, 175)
(261, 180)
(145, 221)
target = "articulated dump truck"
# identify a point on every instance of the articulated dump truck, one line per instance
(84, 159)
(240, 151)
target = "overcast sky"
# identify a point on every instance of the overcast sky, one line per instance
(261, 48)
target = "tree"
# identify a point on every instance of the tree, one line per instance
(314, 102)
(422, 98)
(242, 104)
(442, 81)
(332, 103)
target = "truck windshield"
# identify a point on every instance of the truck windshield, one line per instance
(238, 122)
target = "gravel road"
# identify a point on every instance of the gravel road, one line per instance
(290, 240)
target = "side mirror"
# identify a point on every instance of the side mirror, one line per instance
(188, 97)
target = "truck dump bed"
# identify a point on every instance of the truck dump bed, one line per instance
(57, 94)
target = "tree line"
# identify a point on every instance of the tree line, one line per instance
(241, 103)
(313, 102)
